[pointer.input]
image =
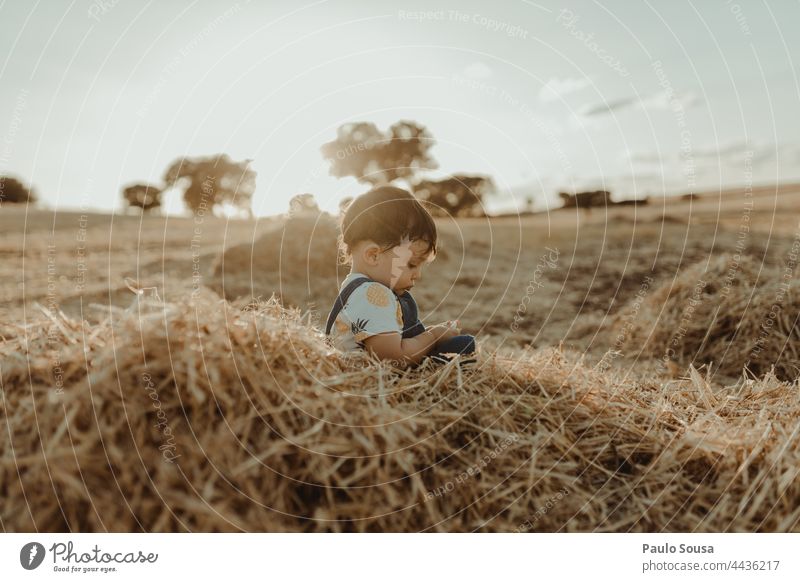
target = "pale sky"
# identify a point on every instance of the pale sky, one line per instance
(636, 97)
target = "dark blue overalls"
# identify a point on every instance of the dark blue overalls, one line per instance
(412, 326)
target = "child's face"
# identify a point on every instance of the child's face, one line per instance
(401, 267)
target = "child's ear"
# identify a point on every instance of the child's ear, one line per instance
(371, 253)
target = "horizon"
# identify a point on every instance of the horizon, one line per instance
(753, 188)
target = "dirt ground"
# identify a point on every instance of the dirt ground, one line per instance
(514, 281)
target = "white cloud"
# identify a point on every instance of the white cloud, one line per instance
(478, 70)
(556, 88)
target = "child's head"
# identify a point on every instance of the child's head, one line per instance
(388, 235)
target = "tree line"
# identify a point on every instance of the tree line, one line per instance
(399, 155)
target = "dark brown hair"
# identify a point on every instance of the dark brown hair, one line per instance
(385, 215)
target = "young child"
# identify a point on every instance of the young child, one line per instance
(386, 237)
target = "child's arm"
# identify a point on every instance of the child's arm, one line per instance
(392, 346)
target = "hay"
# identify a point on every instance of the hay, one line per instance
(200, 416)
(731, 312)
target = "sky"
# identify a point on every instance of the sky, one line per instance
(640, 98)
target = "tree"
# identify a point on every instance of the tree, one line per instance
(303, 203)
(586, 200)
(12, 191)
(375, 157)
(458, 195)
(144, 196)
(213, 181)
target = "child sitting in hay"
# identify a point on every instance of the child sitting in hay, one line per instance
(386, 237)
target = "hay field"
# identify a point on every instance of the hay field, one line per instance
(609, 394)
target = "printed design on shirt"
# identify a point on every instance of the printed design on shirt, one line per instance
(357, 328)
(399, 315)
(377, 295)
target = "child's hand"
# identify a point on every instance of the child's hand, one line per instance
(441, 330)
(451, 329)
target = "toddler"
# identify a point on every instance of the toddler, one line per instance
(387, 236)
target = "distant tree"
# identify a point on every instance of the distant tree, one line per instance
(586, 200)
(375, 157)
(633, 202)
(458, 195)
(144, 196)
(12, 191)
(303, 203)
(213, 181)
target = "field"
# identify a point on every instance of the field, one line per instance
(611, 392)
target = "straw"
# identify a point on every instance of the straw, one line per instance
(202, 416)
(731, 313)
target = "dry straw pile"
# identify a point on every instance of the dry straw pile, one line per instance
(730, 312)
(202, 416)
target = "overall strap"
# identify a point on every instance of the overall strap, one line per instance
(412, 326)
(341, 300)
